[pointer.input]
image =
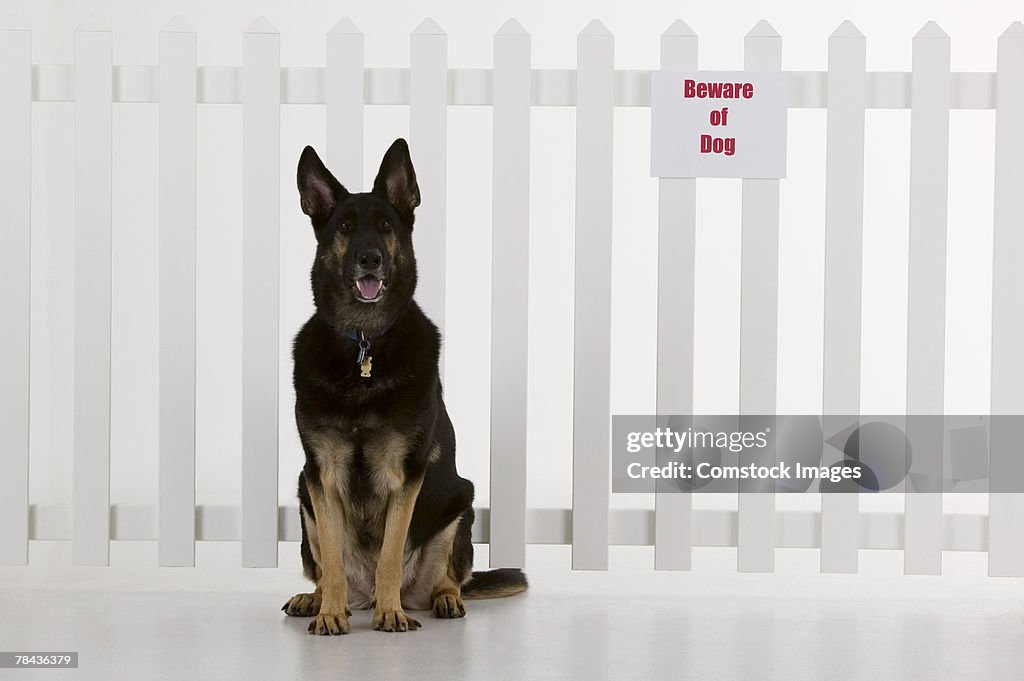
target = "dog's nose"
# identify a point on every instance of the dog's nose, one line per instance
(370, 260)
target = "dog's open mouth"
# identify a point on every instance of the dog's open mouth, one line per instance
(369, 289)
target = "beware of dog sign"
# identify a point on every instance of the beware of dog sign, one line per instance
(718, 124)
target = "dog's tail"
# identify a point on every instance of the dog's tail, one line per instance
(495, 584)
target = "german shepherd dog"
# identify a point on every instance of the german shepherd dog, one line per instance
(386, 518)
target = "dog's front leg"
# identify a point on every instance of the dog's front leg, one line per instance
(330, 524)
(388, 614)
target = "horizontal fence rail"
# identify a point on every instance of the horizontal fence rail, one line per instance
(545, 526)
(475, 87)
(345, 86)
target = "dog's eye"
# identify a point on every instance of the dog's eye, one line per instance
(385, 226)
(345, 226)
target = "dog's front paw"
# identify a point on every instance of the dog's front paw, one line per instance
(329, 625)
(303, 605)
(393, 620)
(449, 606)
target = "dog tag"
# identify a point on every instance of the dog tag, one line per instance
(363, 358)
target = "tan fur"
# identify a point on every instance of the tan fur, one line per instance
(333, 454)
(339, 247)
(386, 457)
(446, 592)
(393, 247)
(304, 605)
(314, 543)
(327, 507)
(435, 558)
(388, 614)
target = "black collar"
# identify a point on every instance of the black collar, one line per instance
(357, 335)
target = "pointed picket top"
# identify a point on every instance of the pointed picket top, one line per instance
(94, 23)
(345, 26)
(261, 25)
(847, 29)
(595, 28)
(1013, 31)
(178, 25)
(763, 29)
(679, 29)
(931, 30)
(13, 22)
(428, 27)
(511, 27)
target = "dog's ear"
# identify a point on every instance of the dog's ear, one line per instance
(396, 179)
(319, 192)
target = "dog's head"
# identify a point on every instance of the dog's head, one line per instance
(364, 274)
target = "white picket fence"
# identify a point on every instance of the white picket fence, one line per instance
(511, 88)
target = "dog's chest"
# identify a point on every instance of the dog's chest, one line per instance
(362, 458)
(367, 465)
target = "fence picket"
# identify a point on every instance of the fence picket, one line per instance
(261, 227)
(844, 227)
(15, 262)
(926, 298)
(344, 97)
(1006, 510)
(509, 272)
(177, 294)
(677, 227)
(595, 95)
(90, 544)
(428, 138)
(759, 316)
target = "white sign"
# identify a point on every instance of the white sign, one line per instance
(718, 124)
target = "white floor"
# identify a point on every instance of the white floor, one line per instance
(218, 621)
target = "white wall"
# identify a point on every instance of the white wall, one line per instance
(721, 26)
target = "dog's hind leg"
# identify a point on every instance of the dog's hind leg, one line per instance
(307, 604)
(446, 561)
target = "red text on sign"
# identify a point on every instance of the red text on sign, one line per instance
(701, 90)
(717, 145)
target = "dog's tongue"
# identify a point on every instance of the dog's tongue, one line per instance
(369, 287)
